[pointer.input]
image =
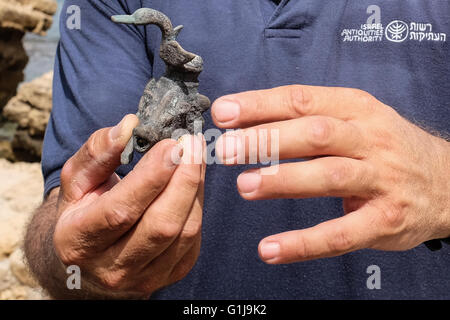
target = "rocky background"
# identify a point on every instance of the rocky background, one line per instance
(24, 114)
(27, 114)
(20, 193)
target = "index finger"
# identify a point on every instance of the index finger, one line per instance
(289, 102)
(177, 210)
(117, 210)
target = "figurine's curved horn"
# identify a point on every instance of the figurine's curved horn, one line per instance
(146, 16)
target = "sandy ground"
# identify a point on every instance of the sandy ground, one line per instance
(21, 188)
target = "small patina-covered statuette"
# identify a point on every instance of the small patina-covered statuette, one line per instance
(173, 101)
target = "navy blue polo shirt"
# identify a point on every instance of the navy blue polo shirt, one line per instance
(396, 50)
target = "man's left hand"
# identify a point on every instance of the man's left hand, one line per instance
(392, 175)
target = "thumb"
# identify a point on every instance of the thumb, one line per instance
(96, 160)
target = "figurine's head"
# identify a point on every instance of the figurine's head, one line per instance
(170, 51)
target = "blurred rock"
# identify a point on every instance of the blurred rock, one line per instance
(26, 148)
(16, 18)
(20, 193)
(31, 107)
(7, 279)
(12, 225)
(7, 133)
(30, 110)
(20, 269)
(27, 15)
(17, 111)
(15, 293)
(13, 60)
(6, 150)
(21, 184)
(21, 188)
(46, 6)
(38, 93)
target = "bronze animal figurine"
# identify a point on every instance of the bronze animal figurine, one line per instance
(173, 101)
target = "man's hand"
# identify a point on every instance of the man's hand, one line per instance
(133, 236)
(393, 176)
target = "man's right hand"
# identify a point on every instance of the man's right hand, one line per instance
(133, 236)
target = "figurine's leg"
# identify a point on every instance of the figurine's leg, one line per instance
(127, 154)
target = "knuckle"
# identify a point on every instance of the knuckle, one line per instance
(93, 150)
(365, 99)
(114, 281)
(119, 216)
(302, 249)
(70, 187)
(320, 133)
(69, 257)
(339, 175)
(390, 111)
(181, 271)
(154, 182)
(256, 98)
(340, 242)
(67, 172)
(163, 231)
(361, 95)
(382, 139)
(191, 178)
(300, 100)
(392, 218)
(191, 230)
(66, 255)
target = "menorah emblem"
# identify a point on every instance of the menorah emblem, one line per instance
(397, 31)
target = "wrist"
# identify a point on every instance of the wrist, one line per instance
(443, 201)
(445, 176)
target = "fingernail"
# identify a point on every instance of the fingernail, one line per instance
(124, 129)
(249, 182)
(203, 142)
(201, 137)
(172, 156)
(228, 147)
(226, 111)
(192, 149)
(116, 132)
(270, 250)
(197, 150)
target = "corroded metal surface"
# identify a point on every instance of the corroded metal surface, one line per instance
(173, 101)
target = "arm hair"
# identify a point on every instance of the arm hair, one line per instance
(44, 263)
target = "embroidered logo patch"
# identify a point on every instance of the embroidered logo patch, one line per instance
(396, 31)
